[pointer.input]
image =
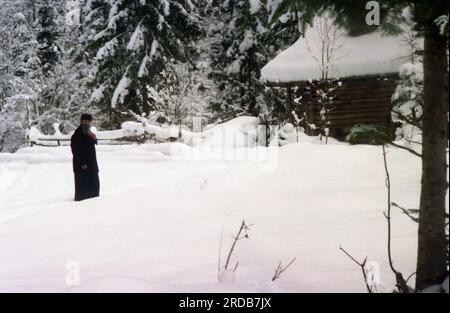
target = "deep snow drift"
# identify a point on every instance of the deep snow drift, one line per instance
(157, 225)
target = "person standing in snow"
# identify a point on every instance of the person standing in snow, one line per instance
(85, 167)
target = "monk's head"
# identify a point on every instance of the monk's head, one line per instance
(86, 119)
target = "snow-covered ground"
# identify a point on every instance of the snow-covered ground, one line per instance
(157, 225)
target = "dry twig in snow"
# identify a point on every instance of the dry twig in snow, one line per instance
(280, 269)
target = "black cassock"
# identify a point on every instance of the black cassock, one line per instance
(87, 183)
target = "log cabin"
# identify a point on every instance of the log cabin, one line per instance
(334, 81)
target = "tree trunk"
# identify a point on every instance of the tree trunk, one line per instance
(432, 256)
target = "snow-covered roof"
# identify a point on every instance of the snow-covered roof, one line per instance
(370, 54)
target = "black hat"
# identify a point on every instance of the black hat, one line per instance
(86, 117)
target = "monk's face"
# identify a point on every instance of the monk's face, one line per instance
(86, 123)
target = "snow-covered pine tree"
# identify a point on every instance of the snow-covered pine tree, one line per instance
(39, 85)
(184, 96)
(63, 90)
(408, 98)
(18, 64)
(17, 51)
(242, 43)
(132, 41)
(408, 103)
(47, 35)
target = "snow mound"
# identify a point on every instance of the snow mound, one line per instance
(240, 132)
(288, 134)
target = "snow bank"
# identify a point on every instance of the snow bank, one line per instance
(288, 134)
(240, 132)
(370, 54)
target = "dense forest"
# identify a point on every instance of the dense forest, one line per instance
(169, 60)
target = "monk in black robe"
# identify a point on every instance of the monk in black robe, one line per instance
(85, 167)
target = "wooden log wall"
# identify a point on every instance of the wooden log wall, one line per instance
(356, 100)
(366, 101)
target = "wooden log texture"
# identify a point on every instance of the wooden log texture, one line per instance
(365, 100)
(355, 101)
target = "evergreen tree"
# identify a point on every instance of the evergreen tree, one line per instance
(242, 43)
(18, 67)
(64, 91)
(184, 95)
(47, 35)
(39, 85)
(132, 45)
(408, 104)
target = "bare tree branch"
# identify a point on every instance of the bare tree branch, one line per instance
(407, 149)
(408, 212)
(242, 234)
(280, 269)
(401, 283)
(362, 265)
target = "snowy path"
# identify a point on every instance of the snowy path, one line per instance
(157, 225)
